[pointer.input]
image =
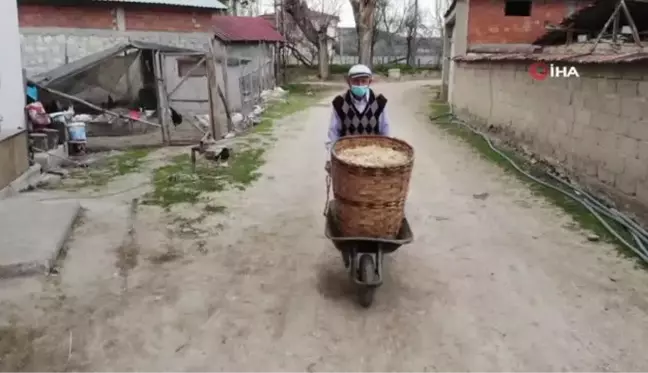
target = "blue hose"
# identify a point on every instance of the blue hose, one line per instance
(595, 207)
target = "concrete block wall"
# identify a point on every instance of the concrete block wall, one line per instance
(596, 126)
(45, 49)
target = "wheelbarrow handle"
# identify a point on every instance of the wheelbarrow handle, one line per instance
(328, 193)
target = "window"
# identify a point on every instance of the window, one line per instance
(185, 65)
(517, 8)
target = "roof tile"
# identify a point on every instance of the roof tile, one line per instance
(209, 4)
(242, 29)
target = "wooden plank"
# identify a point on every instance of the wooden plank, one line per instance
(212, 82)
(161, 108)
(187, 76)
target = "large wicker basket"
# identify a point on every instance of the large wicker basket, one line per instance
(370, 201)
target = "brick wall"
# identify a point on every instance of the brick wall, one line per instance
(137, 18)
(487, 23)
(596, 126)
(30, 15)
(167, 19)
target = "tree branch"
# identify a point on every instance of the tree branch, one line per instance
(300, 14)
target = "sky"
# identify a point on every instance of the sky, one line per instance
(346, 13)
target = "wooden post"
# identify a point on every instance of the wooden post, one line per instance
(161, 93)
(187, 75)
(212, 87)
(224, 66)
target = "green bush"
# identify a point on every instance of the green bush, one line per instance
(340, 69)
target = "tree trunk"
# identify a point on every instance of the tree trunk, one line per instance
(323, 55)
(364, 13)
(365, 36)
(410, 51)
(299, 12)
(374, 39)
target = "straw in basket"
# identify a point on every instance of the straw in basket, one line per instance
(370, 201)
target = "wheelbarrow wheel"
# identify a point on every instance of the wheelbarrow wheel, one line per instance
(367, 269)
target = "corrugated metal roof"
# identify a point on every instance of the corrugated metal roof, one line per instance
(210, 4)
(591, 19)
(64, 71)
(581, 58)
(245, 29)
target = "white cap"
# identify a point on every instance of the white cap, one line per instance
(359, 70)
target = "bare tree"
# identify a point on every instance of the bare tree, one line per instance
(436, 22)
(243, 7)
(364, 12)
(389, 22)
(412, 25)
(314, 26)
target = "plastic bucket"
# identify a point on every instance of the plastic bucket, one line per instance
(77, 131)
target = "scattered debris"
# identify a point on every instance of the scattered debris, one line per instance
(481, 196)
(593, 237)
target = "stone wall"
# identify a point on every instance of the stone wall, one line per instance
(596, 126)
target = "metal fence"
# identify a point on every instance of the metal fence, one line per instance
(149, 95)
(253, 81)
(199, 94)
(421, 60)
(427, 61)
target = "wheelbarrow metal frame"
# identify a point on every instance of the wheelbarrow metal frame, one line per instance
(353, 248)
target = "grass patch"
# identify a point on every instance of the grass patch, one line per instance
(581, 215)
(299, 97)
(177, 182)
(106, 170)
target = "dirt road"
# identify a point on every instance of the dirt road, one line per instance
(491, 283)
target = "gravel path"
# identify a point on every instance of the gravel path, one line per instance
(495, 283)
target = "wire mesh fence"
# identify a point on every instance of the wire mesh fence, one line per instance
(252, 83)
(421, 60)
(146, 95)
(424, 61)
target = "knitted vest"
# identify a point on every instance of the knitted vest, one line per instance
(354, 122)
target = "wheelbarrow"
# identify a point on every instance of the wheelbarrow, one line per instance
(363, 256)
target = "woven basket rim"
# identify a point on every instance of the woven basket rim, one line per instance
(351, 138)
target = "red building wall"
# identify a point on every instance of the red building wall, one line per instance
(137, 18)
(488, 24)
(30, 15)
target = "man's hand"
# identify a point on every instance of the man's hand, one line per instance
(327, 167)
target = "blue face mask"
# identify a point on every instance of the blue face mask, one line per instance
(359, 90)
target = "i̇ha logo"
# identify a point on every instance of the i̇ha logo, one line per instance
(542, 71)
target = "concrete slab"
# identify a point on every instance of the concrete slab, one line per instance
(29, 177)
(32, 234)
(52, 159)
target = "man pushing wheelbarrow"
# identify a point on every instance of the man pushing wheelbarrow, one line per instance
(370, 174)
